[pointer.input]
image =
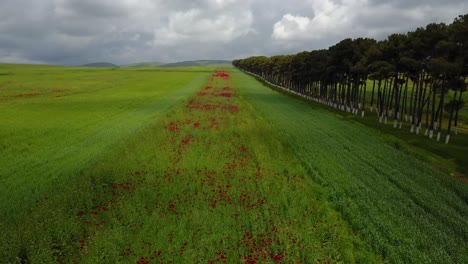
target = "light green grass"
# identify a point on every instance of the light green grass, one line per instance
(57, 121)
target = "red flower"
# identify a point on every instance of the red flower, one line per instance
(172, 207)
(173, 127)
(186, 141)
(225, 95)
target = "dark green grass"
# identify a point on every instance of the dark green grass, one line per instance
(407, 210)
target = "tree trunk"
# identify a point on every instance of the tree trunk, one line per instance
(456, 114)
(372, 98)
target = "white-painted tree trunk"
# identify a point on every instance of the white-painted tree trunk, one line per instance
(406, 118)
(401, 124)
(438, 137)
(380, 119)
(362, 114)
(456, 130)
(395, 123)
(371, 109)
(427, 132)
(431, 133)
(417, 130)
(412, 128)
(385, 122)
(447, 139)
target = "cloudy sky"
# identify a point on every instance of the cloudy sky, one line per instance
(75, 32)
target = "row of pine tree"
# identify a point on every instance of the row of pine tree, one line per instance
(418, 77)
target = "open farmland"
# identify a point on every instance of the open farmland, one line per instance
(56, 121)
(202, 165)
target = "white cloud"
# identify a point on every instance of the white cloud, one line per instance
(291, 27)
(330, 19)
(335, 20)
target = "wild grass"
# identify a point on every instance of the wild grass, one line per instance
(58, 121)
(210, 181)
(191, 166)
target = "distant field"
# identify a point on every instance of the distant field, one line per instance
(144, 64)
(197, 165)
(57, 121)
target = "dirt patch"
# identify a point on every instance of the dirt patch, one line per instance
(31, 95)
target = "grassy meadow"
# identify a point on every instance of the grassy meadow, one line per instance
(201, 164)
(57, 121)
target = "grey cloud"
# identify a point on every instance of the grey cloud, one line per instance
(416, 3)
(125, 31)
(92, 8)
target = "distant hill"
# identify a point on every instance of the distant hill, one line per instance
(160, 64)
(197, 63)
(144, 64)
(101, 64)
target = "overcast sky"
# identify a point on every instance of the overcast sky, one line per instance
(75, 32)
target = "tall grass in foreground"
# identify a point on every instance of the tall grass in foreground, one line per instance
(210, 182)
(231, 171)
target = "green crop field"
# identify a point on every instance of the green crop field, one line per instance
(184, 165)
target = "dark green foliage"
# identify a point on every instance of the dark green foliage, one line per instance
(454, 104)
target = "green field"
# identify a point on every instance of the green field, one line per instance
(204, 165)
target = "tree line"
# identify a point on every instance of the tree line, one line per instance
(418, 77)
